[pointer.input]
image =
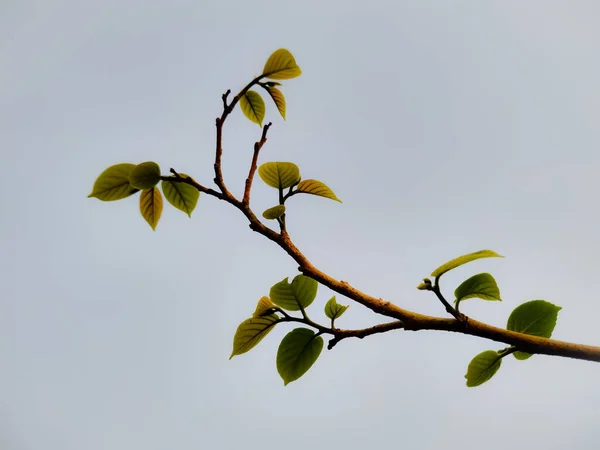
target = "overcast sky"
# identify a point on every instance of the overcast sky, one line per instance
(445, 128)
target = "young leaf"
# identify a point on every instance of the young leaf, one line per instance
(251, 332)
(481, 286)
(263, 307)
(463, 260)
(281, 65)
(253, 106)
(483, 367)
(181, 195)
(301, 291)
(145, 175)
(113, 183)
(333, 309)
(279, 175)
(316, 187)
(537, 317)
(151, 206)
(278, 99)
(297, 352)
(274, 213)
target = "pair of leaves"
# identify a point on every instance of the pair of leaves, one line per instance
(281, 65)
(536, 317)
(333, 309)
(298, 294)
(283, 175)
(122, 180)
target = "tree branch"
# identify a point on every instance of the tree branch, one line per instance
(257, 146)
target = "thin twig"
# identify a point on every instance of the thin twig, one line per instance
(257, 146)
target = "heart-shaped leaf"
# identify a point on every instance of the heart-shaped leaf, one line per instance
(281, 65)
(279, 175)
(297, 352)
(536, 317)
(333, 309)
(300, 292)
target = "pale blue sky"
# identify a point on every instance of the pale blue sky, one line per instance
(445, 127)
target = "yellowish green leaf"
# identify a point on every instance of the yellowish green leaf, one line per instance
(316, 187)
(300, 292)
(279, 175)
(483, 367)
(145, 175)
(297, 352)
(278, 99)
(333, 309)
(113, 183)
(281, 65)
(274, 213)
(453, 264)
(253, 106)
(181, 195)
(264, 306)
(151, 206)
(251, 332)
(481, 286)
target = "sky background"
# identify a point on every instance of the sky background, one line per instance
(445, 128)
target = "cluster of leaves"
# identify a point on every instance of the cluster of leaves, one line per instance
(536, 317)
(301, 347)
(123, 180)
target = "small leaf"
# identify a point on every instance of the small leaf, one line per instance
(316, 187)
(301, 291)
(113, 183)
(145, 175)
(274, 213)
(536, 317)
(251, 332)
(281, 65)
(333, 309)
(463, 260)
(151, 206)
(483, 367)
(264, 306)
(181, 195)
(279, 175)
(253, 106)
(481, 286)
(278, 99)
(297, 352)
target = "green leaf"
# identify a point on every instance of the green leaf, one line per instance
(253, 106)
(316, 187)
(281, 65)
(274, 213)
(333, 309)
(483, 367)
(297, 352)
(265, 306)
(278, 99)
(113, 183)
(481, 286)
(145, 175)
(181, 195)
(536, 317)
(300, 292)
(151, 206)
(463, 260)
(251, 332)
(279, 175)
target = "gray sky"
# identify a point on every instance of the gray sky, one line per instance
(445, 127)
